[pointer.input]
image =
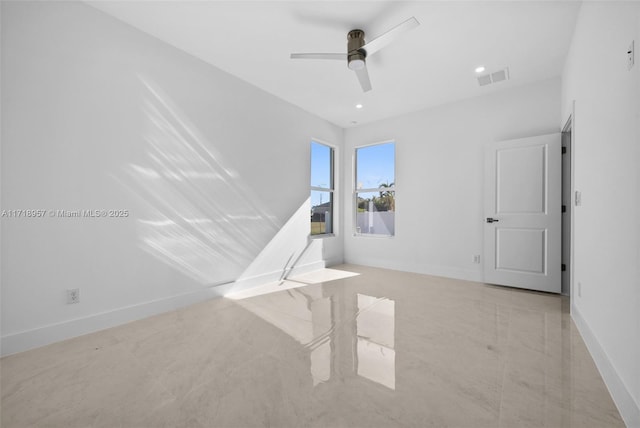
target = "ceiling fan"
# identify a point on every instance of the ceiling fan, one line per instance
(358, 50)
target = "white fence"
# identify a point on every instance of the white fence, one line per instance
(378, 223)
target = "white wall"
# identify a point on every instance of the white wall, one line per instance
(607, 225)
(439, 177)
(97, 115)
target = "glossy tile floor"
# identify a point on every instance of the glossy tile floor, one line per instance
(378, 349)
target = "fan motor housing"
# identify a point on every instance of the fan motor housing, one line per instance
(355, 41)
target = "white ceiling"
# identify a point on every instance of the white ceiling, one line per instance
(431, 65)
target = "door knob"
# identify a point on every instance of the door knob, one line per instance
(492, 220)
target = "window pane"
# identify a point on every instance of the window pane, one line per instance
(321, 166)
(375, 213)
(375, 166)
(321, 212)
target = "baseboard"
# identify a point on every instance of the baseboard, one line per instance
(628, 408)
(46, 335)
(445, 271)
(23, 341)
(333, 261)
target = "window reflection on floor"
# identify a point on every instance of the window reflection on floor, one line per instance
(375, 331)
(322, 325)
(305, 315)
(353, 331)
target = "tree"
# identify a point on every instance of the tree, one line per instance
(387, 200)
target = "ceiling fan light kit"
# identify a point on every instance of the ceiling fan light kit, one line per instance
(358, 50)
(356, 64)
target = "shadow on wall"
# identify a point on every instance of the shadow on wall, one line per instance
(199, 217)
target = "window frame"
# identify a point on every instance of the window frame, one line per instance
(356, 191)
(331, 189)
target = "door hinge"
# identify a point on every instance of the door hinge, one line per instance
(564, 150)
(564, 208)
(564, 267)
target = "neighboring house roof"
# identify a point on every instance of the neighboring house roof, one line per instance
(321, 208)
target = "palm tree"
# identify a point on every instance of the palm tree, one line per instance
(387, 200)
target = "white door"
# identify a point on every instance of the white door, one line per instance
(522, 229)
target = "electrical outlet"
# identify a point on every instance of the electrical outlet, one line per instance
(579, 289)
(476, 258)
(578, 198)
(630, 56)
(73, 296)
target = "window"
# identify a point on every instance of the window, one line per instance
(375, 192)
(321, 189)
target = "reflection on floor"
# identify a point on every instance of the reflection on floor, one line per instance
(370, 348)
(375, 329)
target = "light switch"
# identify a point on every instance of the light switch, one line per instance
(578, 198)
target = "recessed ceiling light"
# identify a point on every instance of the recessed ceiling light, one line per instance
(358, 105)
(479, 69)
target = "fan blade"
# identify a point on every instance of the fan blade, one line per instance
(379, 42)
(363, 78)
(339, 56)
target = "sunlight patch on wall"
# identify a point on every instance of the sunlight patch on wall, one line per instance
(199, 216)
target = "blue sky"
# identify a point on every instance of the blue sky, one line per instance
(320, 165)
(375, 165)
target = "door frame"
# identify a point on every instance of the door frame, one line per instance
(569, 128)
(567, 200)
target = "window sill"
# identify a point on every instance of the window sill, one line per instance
(323, 235)
(367, 235)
